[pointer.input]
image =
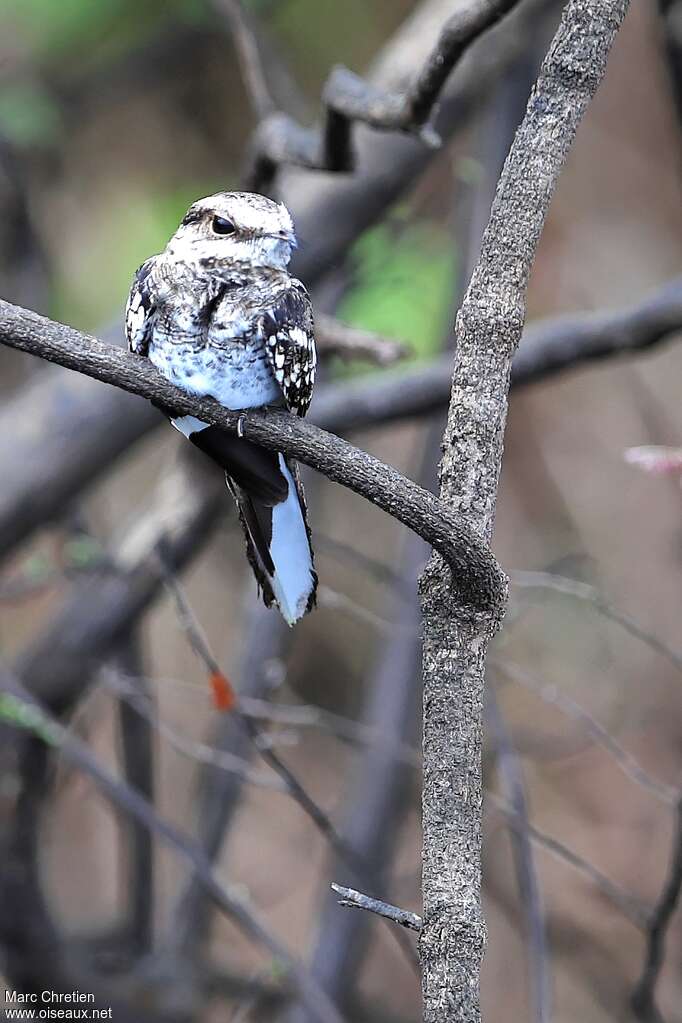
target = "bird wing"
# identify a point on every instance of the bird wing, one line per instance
(140, 309)
(287, 331)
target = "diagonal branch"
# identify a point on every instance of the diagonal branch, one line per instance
(477, 579)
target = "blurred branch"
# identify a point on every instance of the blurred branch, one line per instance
(548, 347)
(334, 338)
(552, 346)
(331, 210)
(583, 591)
(631, 907)
(477, 579)
(356, 900)
(551, 695)
(219, 793)
(347, 851)
(309, 716)
(127, 690)
(102, 608)
(376, 799)
(246, 43)
(530, 896)
(31, 715)
(488, 330)
(347, 98)
(137, 744)
(644, 995)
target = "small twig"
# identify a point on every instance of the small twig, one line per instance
(295, 716)
(644, 995)
(590, 594)
(333, 600)
(356, 900)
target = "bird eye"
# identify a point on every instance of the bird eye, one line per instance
(222, 226)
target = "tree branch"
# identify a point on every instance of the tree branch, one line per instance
(488, 331)
(477, 579)
(44, 472)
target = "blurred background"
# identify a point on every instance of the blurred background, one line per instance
(114, 116)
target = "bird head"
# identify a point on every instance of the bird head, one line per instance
(234, 227)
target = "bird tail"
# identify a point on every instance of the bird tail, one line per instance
(272, 509)
(278, 545)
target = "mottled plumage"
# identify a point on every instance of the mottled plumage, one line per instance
(218, 314)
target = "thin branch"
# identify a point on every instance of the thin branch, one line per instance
(294, 716)
(137, 744)
(356, 900)
(644, 995)
(248, 53)
(583, 591)
(333, 600)
(530, 895)
(628, 764)
(200, 752)
(219, 793)
(292, 785)
(477, 579)
(104, 606)
(21, 708)
(632, 908)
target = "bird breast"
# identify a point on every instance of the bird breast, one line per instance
(236, 372)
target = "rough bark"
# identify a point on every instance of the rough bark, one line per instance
(488, 330)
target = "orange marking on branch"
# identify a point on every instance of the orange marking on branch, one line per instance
(224, 696)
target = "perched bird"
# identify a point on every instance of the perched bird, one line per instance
(218, 314)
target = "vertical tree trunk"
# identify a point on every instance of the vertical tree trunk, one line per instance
(488, 330)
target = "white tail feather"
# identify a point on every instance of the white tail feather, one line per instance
(293, 580)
